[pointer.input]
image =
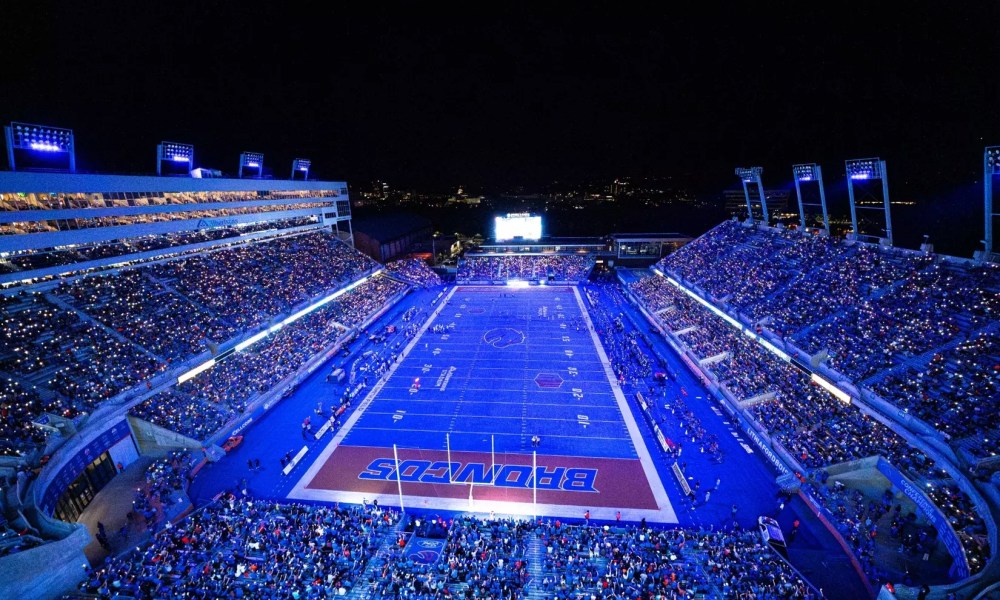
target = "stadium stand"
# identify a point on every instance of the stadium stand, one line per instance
(906, 326)
(415, 271)
(526, 267)
(912, 330)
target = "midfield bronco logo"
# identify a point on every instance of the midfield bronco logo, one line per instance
(502, 337)
(567, 479)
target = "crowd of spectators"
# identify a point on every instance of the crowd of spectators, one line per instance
(957, 392)
(251, 283)
(143, 310)
(626, 348)
(81, 342)
(824, 294)
(199, 407)
(530, 267)
(813, 426)
(54, 257)
(18, 407)
(831, 287)
(642, 562)
(71, 362)
(915, 328)
(493, 557)
(874, 526)
(241, 547)
(967, 523)
(481, 558)
(161, 496)
(415, 271)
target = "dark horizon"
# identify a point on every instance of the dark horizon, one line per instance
(432, 101)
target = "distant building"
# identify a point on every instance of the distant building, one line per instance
(385, 237)
(632, 249)
(736, 202)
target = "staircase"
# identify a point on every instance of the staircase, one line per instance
(535, 554)
(365, 586)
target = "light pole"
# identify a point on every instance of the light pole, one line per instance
(434, 256)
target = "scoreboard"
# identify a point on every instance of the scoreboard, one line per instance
(518, 226)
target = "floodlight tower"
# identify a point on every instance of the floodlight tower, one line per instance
(179, 157)
(866, 169)
(752, 175)
(252, 160)
(39, 141)
(300, 168)
(991, 167)
(810, 172)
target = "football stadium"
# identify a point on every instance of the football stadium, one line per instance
(209, 392)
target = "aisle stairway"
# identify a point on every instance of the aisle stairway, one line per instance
(535, 553)
(365, 585)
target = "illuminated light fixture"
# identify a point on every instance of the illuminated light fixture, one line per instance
(751, 175)
(991, 167)
(180, 155)
(252, 160)
(868, 169)
(993, 159)
(864, 168)
(25, 139)
(195, 371)
(748, 174)
(300, 168)
(838, 393)
(806, 173)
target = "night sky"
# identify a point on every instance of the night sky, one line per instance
(429, 99)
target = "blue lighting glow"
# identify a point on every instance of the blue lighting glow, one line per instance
(993, 159)
(303, 168)
(178, 158)
(864, 168)
(41, 138)
(749, 174)
(253, 164)
(736, 324)
(806, 172)
(291, 319)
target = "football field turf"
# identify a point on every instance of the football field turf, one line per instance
(491, 369)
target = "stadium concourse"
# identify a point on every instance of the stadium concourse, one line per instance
(299, 421)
